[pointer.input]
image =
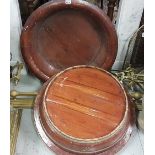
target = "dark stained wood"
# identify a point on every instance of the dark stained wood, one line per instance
(101, 4)
(57, 36)
(27, 7)
(83, 110)
(111, 5)
(32, 4)
(137, 58)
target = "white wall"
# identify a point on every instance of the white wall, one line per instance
(15, 29)
(128, 20)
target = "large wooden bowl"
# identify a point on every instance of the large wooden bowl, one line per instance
(83, 110)
(59, 35)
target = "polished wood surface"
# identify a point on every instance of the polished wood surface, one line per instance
(57, 36)
(85, 103)
(83, 110)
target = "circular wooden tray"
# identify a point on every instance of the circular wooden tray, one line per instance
(59, 35)
(83, 110)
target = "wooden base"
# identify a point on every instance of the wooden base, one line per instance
(108, 147)
(58, 151)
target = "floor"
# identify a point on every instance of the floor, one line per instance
(29, 143)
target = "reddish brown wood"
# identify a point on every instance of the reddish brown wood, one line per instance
(83, 110)
(58, 35)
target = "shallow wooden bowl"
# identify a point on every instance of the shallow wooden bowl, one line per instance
(59, 35)
(83, 110)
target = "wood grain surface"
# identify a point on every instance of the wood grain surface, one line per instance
(83, 110)
(57, 36)
(85, 103)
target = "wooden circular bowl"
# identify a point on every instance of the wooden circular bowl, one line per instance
(83, 110)
(59, 35)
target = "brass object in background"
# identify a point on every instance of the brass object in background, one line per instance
(136, 95)
(130, 75)
(22, 103)
(14, 94)
(133, 81)
(17, 100)
(16, 72)
(17, 104)
(15, 117)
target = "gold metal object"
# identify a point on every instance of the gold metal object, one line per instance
(14, 94)
(139, 107)
(136, 95)
(132, 78)
(17, 75)
(15, 114)
(15, 117)
(22, 103)
(17, 104)
(130, 75)
(17, 100)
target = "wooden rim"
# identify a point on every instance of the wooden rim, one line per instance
(113, 143)
(58, 5)
(95, 140)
